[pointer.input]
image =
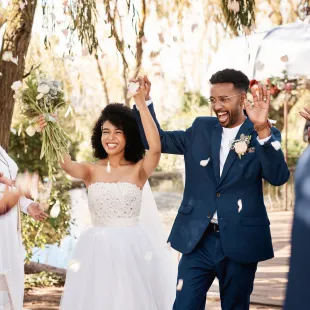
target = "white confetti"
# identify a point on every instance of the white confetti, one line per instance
(239, 205)
(74, 265)
(272, 121)
(180, 285)
(148, 256)
(1, 74)
(7, 56)
(108, 167)
(65, 32)
(55, 210)
(204, 162)
(276, 145)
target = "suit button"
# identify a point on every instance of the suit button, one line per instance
(209, 216)
(218, 194)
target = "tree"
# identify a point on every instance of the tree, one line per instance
(16, 39)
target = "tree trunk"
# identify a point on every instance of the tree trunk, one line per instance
(16, 39)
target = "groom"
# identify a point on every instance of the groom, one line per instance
(222, 227)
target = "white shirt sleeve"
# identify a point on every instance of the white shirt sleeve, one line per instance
(24, 204)
(263, 141)
(148, 102)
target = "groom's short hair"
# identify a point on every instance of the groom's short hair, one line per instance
(236, 77)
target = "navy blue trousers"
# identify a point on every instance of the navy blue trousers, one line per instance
(198, 270)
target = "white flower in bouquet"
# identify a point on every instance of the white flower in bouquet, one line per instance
(30, 130)
(17, 85)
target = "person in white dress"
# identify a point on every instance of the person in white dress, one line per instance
(11, 249)
(121, 261)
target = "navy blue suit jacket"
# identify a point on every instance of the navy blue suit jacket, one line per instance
(245, 235)
(297, 295)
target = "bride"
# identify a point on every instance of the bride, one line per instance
(121, 261)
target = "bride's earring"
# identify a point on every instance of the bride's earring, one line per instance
(108, 167)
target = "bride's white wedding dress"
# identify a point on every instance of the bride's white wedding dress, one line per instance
(119, 263)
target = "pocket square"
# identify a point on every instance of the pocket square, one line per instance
(204, 162)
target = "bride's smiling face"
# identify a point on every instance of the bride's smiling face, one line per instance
(113, 139)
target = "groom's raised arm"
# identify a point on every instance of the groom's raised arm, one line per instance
(172, 142)
(275, 169)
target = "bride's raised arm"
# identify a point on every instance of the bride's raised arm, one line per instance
(151, 160)
(75, 169)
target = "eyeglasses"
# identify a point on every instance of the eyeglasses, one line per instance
(221, 99)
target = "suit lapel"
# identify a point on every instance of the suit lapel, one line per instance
(216, 139)
(246, 129)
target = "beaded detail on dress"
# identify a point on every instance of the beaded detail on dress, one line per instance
(108, 201)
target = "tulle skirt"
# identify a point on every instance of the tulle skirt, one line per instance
(119, 268)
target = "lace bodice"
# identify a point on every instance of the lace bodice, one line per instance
(114, 201)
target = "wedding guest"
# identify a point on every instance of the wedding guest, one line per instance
(11, 249)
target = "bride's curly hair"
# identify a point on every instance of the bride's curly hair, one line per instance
(123, 118)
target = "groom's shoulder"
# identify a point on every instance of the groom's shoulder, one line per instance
(204, 121)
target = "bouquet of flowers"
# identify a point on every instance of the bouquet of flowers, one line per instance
(43, 96)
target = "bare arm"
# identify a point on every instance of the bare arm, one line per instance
(76, 170)
(152, 158)
(8, 200)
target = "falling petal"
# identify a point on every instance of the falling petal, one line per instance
(259, 65)
(13, 131)
(284, 58)
(65, 32)
(276, 145)
(7, 56)
(85, 52)
(55, 210)
(53, 16)
(108, 167)
(74, 265)
(68, 111)
(272, 121)
(133, 87)
(22, 5)
(15, 60)
(194, 26)
(148, 256)
(239, 205)
(161, 38)
(204, 162)
(180, 285)
(270, 14)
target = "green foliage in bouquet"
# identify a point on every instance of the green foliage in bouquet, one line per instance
(44, 96)
(25, 150)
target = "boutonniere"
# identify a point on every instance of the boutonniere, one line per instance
(240, 145)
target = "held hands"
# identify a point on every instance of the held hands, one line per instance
(138, 87)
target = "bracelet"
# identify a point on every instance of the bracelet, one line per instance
(261, 127)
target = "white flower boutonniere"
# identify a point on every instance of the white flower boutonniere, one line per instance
(241, 145)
